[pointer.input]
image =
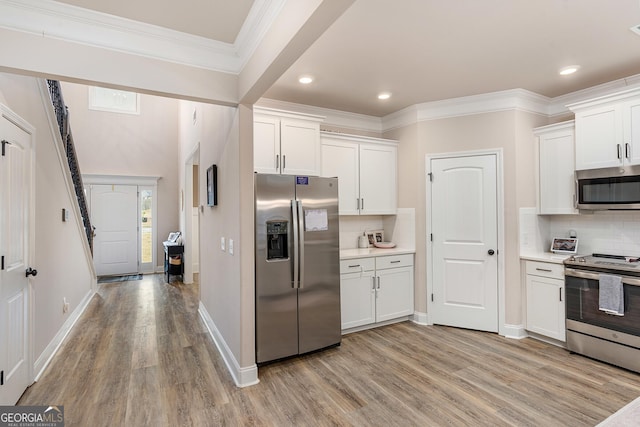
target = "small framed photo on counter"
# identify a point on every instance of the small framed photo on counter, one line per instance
(374, 236)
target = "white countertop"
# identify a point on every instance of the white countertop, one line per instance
(545, 257)
(372, 252)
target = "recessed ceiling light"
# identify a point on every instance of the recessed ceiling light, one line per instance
(384, 95)
(565, 71)
(305, 80)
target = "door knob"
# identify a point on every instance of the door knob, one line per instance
(31, 272)
(491, 252)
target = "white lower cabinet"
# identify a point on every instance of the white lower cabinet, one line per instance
(376, 289)
(545, 299)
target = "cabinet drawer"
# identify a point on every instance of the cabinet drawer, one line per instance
(393, 261)
(356, 265)
(545, 269)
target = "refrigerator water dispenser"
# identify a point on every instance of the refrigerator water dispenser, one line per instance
(277, 242)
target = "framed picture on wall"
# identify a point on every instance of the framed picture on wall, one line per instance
(212, 185)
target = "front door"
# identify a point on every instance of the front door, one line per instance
(15, 197)
(114, 214)
(465, 236)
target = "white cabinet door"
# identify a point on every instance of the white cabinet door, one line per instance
(378, 179)
(299, 147)
(266, 144)
(394, 293)
(340, 159)
(632, 132)
(545, 306)
(556, 190)
(599, 137)
(357, 299)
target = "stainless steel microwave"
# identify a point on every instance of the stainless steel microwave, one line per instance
(608, 188)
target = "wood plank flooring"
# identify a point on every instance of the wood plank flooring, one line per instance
(140, 356)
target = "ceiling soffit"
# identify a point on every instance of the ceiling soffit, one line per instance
(70, 23)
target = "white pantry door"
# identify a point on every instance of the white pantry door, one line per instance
(15, 198)
(465, 236)
(114, 214)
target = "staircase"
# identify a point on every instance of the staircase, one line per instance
(62, 115)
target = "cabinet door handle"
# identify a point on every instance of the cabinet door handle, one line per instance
(362, 204)
(543, 269)
(394, 262)
(284, 162)
(354, 266)
(357, 203)
(378, 282)
(619, 151)
(560, 294)
(277, 161)
(373, 283)
(627, 151)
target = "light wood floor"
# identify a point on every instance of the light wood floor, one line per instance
(140, 356)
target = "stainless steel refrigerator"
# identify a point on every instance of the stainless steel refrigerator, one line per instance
(297, 265)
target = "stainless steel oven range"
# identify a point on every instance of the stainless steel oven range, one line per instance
(596, 333)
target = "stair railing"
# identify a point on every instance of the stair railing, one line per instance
(62, 115)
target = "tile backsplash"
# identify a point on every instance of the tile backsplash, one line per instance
(608, 232)
(399, 228)
(603, 231)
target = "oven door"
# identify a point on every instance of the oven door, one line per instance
(582, 299)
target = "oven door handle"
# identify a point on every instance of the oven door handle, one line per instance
(581, 274)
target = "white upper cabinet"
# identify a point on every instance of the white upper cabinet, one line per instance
(607, 131)
(556, 182)
(378, 179)
(286, 143)
(367, 172)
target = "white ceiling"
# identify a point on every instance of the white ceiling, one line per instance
(428, 50)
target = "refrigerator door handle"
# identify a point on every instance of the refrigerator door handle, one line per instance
(294, 225)
(300, 245)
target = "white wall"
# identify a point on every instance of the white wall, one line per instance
(133, 145)
(64, 270)
(224, 291)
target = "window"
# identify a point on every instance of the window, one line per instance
(113, 100)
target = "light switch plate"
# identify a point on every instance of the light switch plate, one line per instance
(222, 243)
(231, 246)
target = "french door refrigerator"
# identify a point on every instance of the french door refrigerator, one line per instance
(297, 265)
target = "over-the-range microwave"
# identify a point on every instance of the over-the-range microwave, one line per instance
(615, 188)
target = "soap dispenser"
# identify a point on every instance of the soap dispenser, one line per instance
(363, 242)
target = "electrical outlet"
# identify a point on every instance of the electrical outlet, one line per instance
(222, 243)
(231, 246)
(65, 305)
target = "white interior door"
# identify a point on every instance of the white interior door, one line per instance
(114, 214)
(465, 237)
(15, 193)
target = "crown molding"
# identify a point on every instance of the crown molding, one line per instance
(337, 118)
(70, 23)
(514, 99)
(560, 105)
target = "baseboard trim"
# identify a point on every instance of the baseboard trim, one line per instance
(47, 355)
(420, 318)
(243, 377)
(517, 332)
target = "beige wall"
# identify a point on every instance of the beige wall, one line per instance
(509, 131)
(226, 281)
(132, 145)
(64, 270)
